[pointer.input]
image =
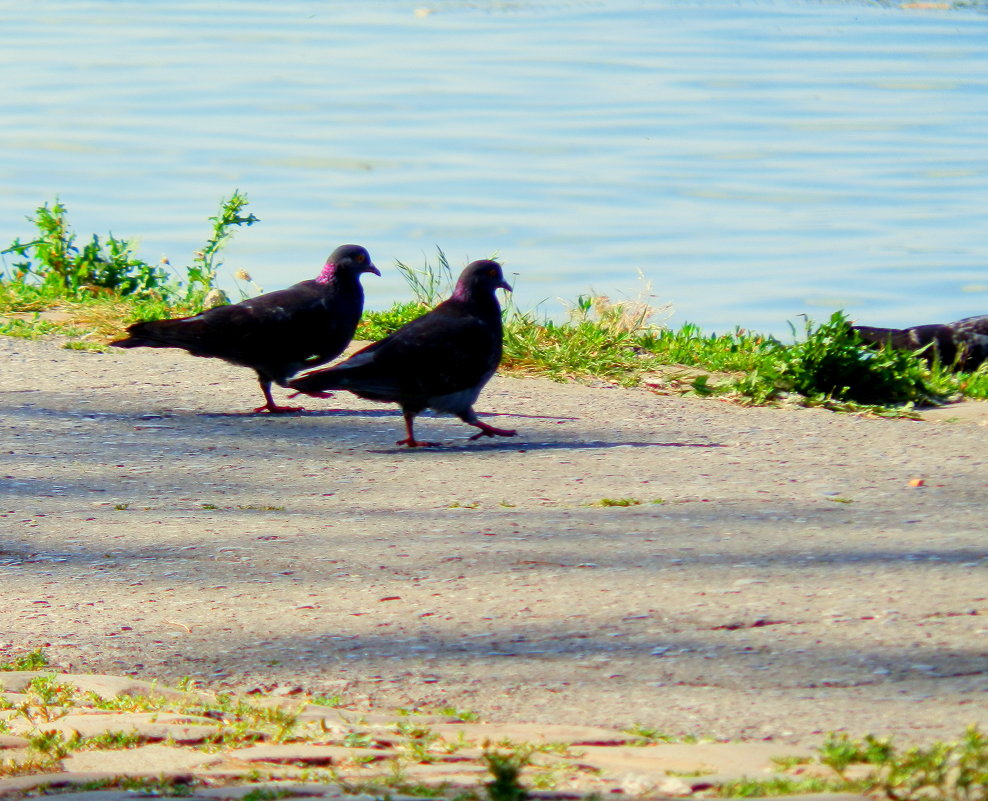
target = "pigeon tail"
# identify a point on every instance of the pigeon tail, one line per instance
(277, 334)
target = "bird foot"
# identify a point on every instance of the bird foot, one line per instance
(313, 394)
(417, 443)
(490, 431)
(272, 408)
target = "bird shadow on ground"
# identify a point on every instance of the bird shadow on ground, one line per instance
(520, 446)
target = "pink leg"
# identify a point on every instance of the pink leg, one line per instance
(270, 406)
(410, 441)
(490, 431)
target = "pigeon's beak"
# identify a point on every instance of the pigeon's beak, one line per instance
(505, 285)
(370, 268)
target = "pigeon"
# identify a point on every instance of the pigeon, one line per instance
(277, 334)
(440, 360)
(962, 344)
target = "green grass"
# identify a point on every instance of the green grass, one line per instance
(32, 660)
(98, 286)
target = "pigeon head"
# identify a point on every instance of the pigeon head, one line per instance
(480, 278)
(347, 258)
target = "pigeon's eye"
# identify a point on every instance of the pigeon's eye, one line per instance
(360, 258)
(492, 273)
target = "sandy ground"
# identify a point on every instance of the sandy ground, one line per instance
(804, 571)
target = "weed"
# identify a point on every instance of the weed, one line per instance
(45, 700)
(416, 742)
(53, 269)
(788, 762)
(331, 701)
(942, 771)
(32, 328)
(358, 739)
(506, 768)
(649, 736)
(780, 785)
(617, 502)
(55, 264)
(839, 499)
(465, 715)
(89, 347)
(833, 362)
(430, 284)
(33, 660)
(205, 265)
(267, 794)
(51, 743)
(379, 324)
(108, 741)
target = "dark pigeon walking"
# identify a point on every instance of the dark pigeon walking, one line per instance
(277, 334)
(962, 344)
(440, 360)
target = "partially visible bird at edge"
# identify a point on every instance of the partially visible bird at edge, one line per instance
(440, 361)
(277, 334)
(962, 345)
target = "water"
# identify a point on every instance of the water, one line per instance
(755, 161)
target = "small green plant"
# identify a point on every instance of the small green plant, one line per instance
(53, 267)
(108, 741)
(780, 786)
(53, 744)
(833, 362)
(358, 739)
(942, 771)
(331, 701)
(430, 284)
(465, 715)
(32, 328)
(45, 700)
(267, 794)
(58, 266)
(33, 660)
(505, 767)
(376, 325)
(649, 735)
(416, 742)
(617, 502)
(789, 762)
(201, 274)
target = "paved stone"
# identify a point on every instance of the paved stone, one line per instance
(538, 734)
(149, 726)
(148, 760)
(309, 754)
(106, 686)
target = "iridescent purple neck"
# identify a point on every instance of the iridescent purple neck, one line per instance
(461, 291)
(327, 273)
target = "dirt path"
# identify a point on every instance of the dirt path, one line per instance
(794, 580)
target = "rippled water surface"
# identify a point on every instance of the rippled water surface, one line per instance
(754, 161)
